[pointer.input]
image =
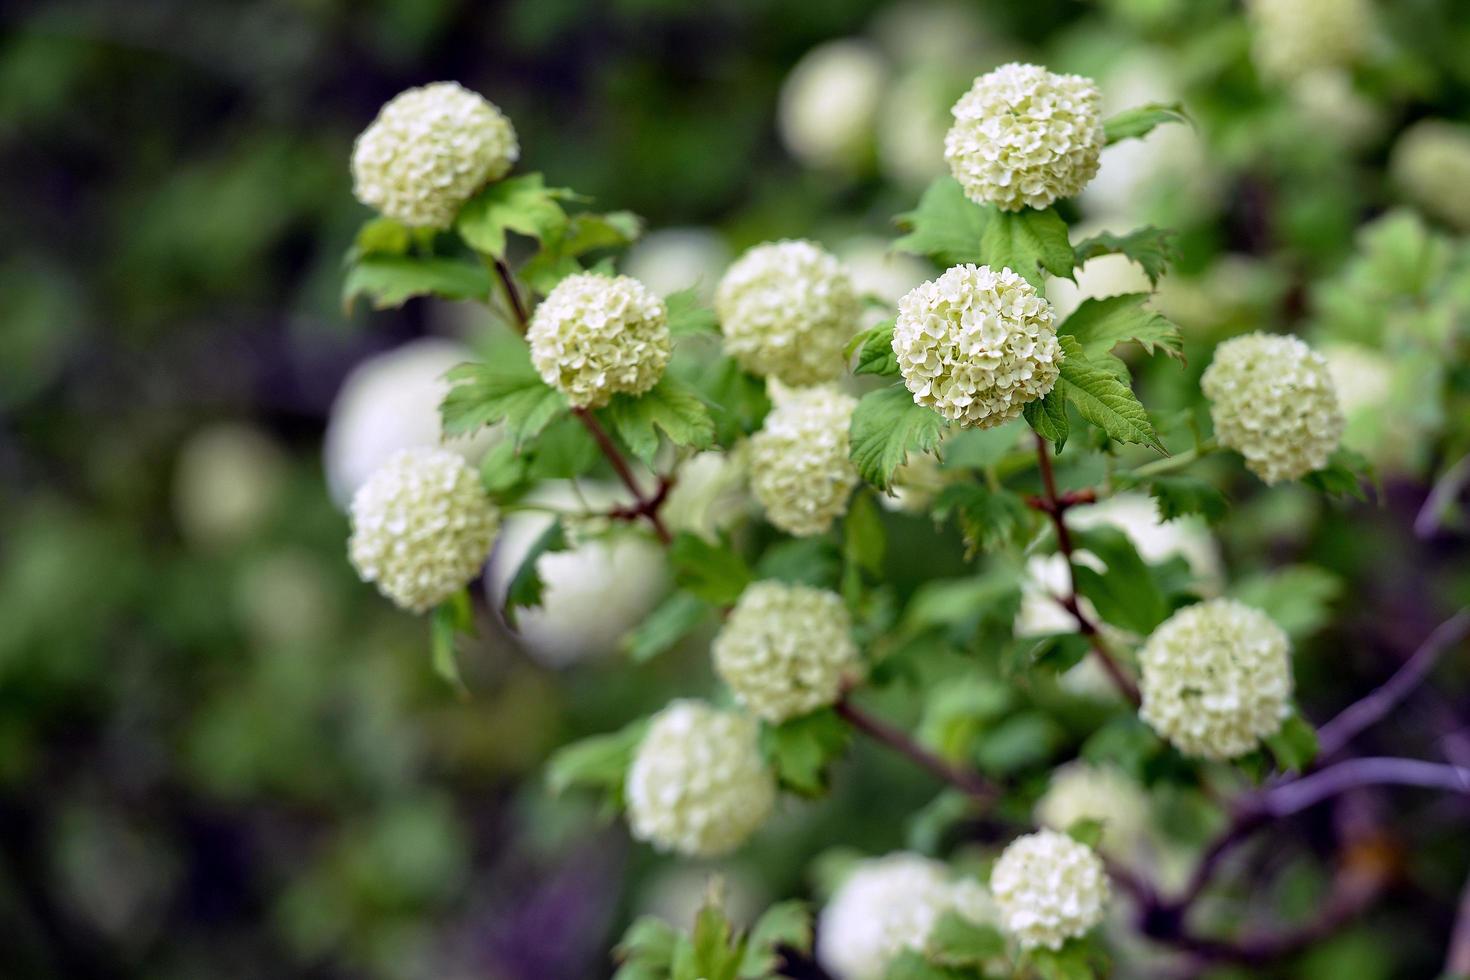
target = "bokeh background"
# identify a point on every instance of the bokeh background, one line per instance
(222, 756)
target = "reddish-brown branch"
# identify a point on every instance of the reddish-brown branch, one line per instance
(644, 506)
(512, 295)
(971, 782)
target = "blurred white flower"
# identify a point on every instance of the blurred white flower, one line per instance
(1083, 791)
(710, 493)
(1431, 165)
(672, 259)
(911, 125)
(1049, 888)
(1292, 37)
(829, 104)
(1327, 101)
(227, 480)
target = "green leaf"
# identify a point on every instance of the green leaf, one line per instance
(452, 617)
(565, 243)
(715, 573)
(1294, 744)
(391, 280)
(646, 951)
(802, 561)
(947, 226)
(563, 451)
(1127, 594)
(957, 941)
(1058, 652)
(503, 469)
(980, 449)
(737, 401)
(510, 391)
(675, 618)
(874, 349)
(1139, 121)
(862, 534)
(669, 406)
(1151, 248)
(1298, 598)
(526, 587)
(1180, 496)
(1072, 962)
(988, 519)
(1104, 400)
(1089, 832)
(1347, 474)
(963, 602)
(381, 236)
(1102, 324)
(520, 204)
(1047, 416)
(801, 750)
(689, 315)
(910, 965)
(785, 925)
(714, 952)
(886, 426)
(599, 763)
(1028, 242)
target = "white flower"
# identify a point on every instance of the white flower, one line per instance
(227, 480)
(976, 345)
(1137, 516)
(698, 784)
(888, 905)
(1326, 100)
(1098, 278)
(421, 527)
(786, 650)
(1049, 888)
(391, 402)
(672, 259)
(1023, 137)
(1216, 679)
(709, 493)
(911, 127)
(787, 310)
(800, 470)
(1083, 791)
(1290, 38)
(595, 336)
(829, 103)
(429, 151)
(1431, 165)
(1273, 401)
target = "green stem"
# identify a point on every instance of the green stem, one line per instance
(1161, 466)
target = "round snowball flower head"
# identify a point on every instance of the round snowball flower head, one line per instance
(829, 104)
(1290, 38)
(421, 527)
(976, 345)
(1431, 164)
(888, 905)
(595, 336)
(1049, 888)
(1216, 679)
(228, 478)
(698, 784)
(1083, 791)
(787, 310)
(1273, 401)
(786, 649)
(800, 470)
(429, 151)
(1023, 137)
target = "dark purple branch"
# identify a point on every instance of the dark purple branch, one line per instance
(1292, 797)
(1444, 491)
(1457, 962)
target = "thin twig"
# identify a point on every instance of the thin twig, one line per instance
(625, 474)
(1374, 707)
(1457, 961)
(1431, 516)
(512, 294)
(1299, 794)
(971, 782)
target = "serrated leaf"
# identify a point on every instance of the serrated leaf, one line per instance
(648, 944)
(526, 588)
(391, 280)
(863, 540)
(874, 349)
(520, 204)
(1347, 474)
(946, 226)
(599, 763)
(688, 314)
(1103, 399)
(738, 401)
(1102, 324)
(714, 572)
(670, 407)
(1141, 120)
(1029, 242)
(675, 618)
(1294, 744)
(1057, 652)
(988, 519)
(1126, 594)
(510, 391)
(713, 952)
(886, 426)
(1151, 248)
(785, 925)
(800, 750)
(957, 941)
(1047, 415)
(564, 450)
(1181, 496)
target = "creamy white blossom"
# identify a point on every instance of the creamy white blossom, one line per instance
(786, 650)
(1290, 38)
(668, 260)
(829, 102)
(710, 492)
(429, 151)
(800, 470)
(1023, 137)
(890, 904)
(698, 784)
(227, 480)
(1084, 791)
(1216, 679)
(1273, 401)
(1049, 888)
(596, 336)
(787, 310)
(1327, 101)
(1431, 165)
(976, 345)
(421, 527)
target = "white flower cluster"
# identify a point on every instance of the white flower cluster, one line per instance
(1273, 401)
(786, 649)
(1049, 888)
(421, 527)
(800, 470)
(1216, 679)
(1023, 137)
(888, 905)
(429, 151)
(1083, 791)
(829, 104)
(1290, 38)
(787, 310)
(976, 345)
(595, 336)
(698, 784)
(1431, 163)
